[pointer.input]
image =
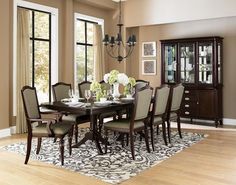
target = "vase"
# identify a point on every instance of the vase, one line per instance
(116, 93)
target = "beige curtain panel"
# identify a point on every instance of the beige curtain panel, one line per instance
(23, 64)
(99, 65)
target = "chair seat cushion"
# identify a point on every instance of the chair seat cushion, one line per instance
(173, 116)
(59, 128)
(122, 125)
(157, 120)
(76, 118)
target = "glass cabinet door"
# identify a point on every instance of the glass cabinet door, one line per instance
(187, 63)
(205, 65)
(170, 63)
(219, 63)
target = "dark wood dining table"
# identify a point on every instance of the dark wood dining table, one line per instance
(93, 111)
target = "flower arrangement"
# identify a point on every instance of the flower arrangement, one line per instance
(116, 77)
(97, 88)
(129, 86)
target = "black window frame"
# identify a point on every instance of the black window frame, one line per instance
(33, 39)
(86, 44)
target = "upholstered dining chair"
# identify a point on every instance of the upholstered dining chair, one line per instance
(46, 127)
(138, 121)
(107, 87)
(159, 111)
(85, 85)
(177, 92)
(60, 91)
(140, 84)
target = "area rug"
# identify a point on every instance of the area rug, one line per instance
(115, 166)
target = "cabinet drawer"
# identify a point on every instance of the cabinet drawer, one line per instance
(188, 112)
(189, 98)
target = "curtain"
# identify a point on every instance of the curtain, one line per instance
(99, 65)
(23, 64)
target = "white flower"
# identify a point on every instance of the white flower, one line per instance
(106, 77)
(123, 79)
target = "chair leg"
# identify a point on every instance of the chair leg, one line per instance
(157, 129)
(132, 145)
(29, 141)
(122, 140)
(152, 138)
(100, 124)
(106, 138)
(76, 133)
(62, 150)
(179, 127)
(164, 131)
(168, 129)
(39, 145)
(127, 139)
(55, 140)
(146, 139)
(70, 141)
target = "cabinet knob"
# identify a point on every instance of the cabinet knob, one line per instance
(186, 105)
(187, 113)
(187, 92)
(197, 102)
(187, 98)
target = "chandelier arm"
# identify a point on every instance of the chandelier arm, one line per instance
(129, 52)
(108, 52)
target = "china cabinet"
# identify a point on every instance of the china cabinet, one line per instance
(197, 63)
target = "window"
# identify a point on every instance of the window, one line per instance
(40, 46)
(45, 41)
(84, 66)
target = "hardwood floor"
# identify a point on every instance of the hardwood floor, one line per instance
(210, 162)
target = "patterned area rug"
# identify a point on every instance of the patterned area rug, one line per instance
(115, 166)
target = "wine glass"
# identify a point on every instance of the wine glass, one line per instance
(87, 94)
(132, 91)
(109, 94)
(70, 93)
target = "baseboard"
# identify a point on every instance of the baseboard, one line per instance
(7, 131)
(13, 130)
(228, 121)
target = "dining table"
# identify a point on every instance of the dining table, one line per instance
(93, 110)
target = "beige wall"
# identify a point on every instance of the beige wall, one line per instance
(66, 46)
(225, 27)
(4, 61)
(149, 12)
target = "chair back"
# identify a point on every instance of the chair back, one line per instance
(30, 101)
(177, 95)
(105, 86)
(60, 91)
(85, 85)
(161, 100)
(140, 84)
(142, 103)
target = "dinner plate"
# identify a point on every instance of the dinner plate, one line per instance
(99, 103)
(127, 99)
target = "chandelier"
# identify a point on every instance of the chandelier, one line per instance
(114, 46)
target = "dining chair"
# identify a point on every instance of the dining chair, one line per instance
(101, 117)
(173, 114)
(138, 121)
(159, 111)
(140, 84)
(85, 85)
(60, 91)
(46, 127)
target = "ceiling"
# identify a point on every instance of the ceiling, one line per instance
(106, 4)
